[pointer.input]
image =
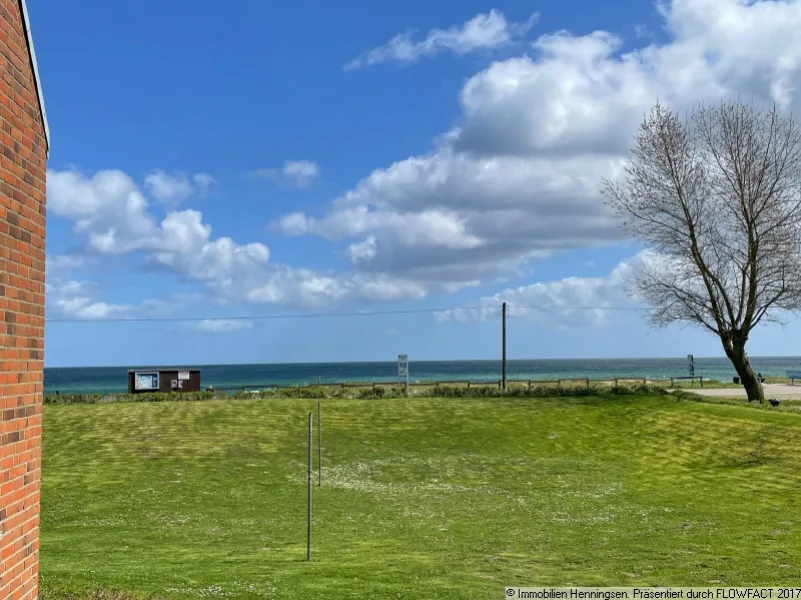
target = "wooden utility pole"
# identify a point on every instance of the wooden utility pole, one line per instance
(503, 343)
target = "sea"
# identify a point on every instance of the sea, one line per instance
(104, 380)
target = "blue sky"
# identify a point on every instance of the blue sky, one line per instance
(211, 160)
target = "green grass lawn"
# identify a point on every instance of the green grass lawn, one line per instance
(421, 498)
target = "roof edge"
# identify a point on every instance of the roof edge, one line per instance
(26, 24)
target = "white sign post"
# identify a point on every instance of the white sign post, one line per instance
(691, 365)
(403, 369)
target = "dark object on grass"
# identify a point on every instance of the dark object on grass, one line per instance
(773, 402)
(761, 379)
(735, 379)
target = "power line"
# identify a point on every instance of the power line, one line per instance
(265, 317)
(338, 314)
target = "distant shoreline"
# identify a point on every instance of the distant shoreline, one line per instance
(114, 380)
(411, 359)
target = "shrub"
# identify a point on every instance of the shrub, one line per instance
(111, 398)
(373, 393)
(315, 392)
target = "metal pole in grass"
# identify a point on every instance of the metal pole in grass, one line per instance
(503, 346)
(309, 499)
(319, 443)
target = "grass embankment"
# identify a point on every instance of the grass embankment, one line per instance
(421, 498)
(444, 390)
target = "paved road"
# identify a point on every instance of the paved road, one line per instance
(772, 390)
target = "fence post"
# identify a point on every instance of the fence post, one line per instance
(588, 383)
(319, 443)
(468, 384)
(558, 384)
(309, 498)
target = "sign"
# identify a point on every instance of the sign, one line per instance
(183, 375)
(146, 381)
(403, 365)
(691, 365)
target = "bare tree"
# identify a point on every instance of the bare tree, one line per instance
(717, 199)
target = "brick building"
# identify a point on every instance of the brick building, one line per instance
(24, 144)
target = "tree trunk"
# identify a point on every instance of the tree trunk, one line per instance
(735, 350)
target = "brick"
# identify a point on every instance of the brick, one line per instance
(22, 241)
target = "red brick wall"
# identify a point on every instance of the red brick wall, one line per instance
(22, 277)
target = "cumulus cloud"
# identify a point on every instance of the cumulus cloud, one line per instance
(69, 298)
(298, 173)
(113, 214)
(222, 325)
(563, 303)
(173, 188)
(518, 177)
(484, 31)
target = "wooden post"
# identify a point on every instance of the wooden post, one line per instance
(309, 494)
(503, 343)
(588, 383)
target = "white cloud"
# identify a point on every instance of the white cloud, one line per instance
(457, 218)
(173, 188)
(113, 214)
(560, 304)
(203, 181)
(519, 176)
(298, 173)
(58, 264)
(69, 298)
(222, 325)
(484, 31)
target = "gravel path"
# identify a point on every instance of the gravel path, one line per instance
(772, 390)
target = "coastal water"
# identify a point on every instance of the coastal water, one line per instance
(114, 379)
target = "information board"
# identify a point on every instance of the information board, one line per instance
(403, 365)
(146, 381)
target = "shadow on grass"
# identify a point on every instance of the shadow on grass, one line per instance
(96, 595)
